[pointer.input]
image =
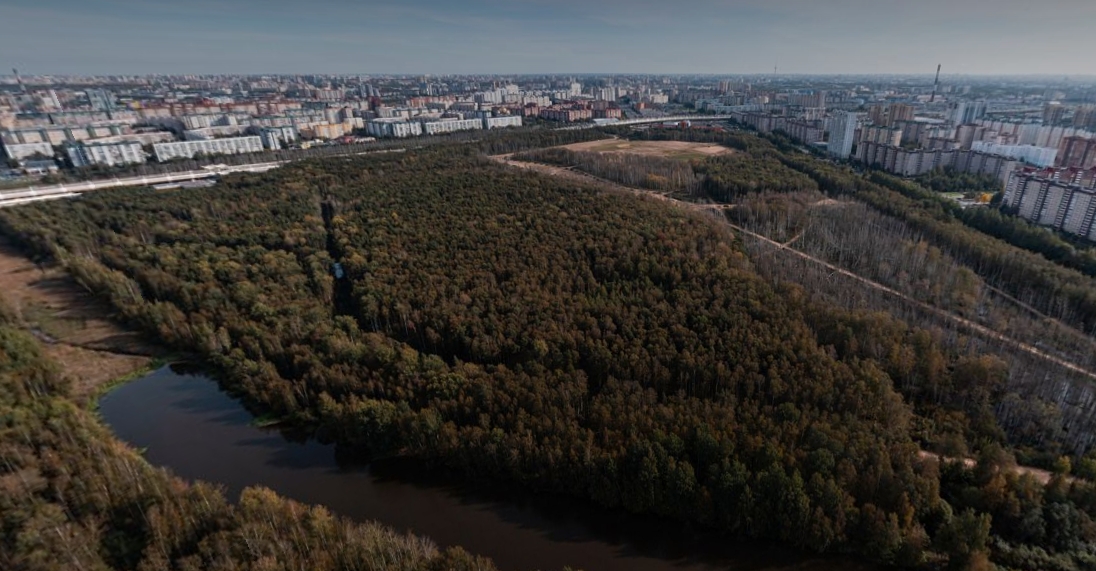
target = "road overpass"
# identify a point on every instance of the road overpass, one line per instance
(54, 192)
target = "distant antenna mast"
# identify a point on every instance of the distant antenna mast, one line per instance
(935, 84)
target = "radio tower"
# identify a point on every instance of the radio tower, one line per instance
(935, 84)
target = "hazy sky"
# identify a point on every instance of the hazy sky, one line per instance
(547, 36)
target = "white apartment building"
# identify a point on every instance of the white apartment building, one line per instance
(393, 127)
(110, 154)
(842, 134)
(1038, 156)
(275, 138)
(503, 121)
(451, 126)
(188, 149)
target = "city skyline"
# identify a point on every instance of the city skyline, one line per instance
(536, 36)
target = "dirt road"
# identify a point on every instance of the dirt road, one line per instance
(946, 315)
(1040, 475)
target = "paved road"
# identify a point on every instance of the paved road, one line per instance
(54, 192)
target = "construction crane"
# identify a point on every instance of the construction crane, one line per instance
(935, 84)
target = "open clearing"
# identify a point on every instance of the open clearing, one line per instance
(666, 149)
(72, 327)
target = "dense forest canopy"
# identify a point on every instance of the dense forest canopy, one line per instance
(512, 326)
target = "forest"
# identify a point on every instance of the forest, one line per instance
(511, 326)
(73, 497)
(949, 180)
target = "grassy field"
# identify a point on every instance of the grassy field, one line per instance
(679, 150)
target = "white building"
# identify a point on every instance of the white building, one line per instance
(451, 126)
(842, 134)
(503, 121)
(394, 127)
(20, 151)
(122, 153)
(188, 149)
(275, 138)
(1038, 156)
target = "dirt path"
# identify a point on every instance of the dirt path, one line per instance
(1040, 475)
(946, 315)
(72, 327)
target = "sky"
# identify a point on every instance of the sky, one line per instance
(548, 36)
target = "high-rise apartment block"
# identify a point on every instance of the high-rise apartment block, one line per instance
(1053, 113)
(1084, 117)
(842, 134)
(1064, 199)
(913, 162)
(1030, 154)
(1077, 152)
(962, 112)
(275, 138)
(890, 115)
(881, 135)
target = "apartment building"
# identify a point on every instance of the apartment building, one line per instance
(1077, 152)
(842, 134)
(1030, 154)
(806, 131)
(109, 154)
(910, 162)
(502, 121)
(189, 149)
(1063, 199)
(393, 127)
(450, 126)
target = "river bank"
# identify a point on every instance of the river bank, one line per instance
(73, 328)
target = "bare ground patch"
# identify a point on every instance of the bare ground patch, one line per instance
(666, 149)
(73, 327)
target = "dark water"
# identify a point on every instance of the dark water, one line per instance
(188, 425)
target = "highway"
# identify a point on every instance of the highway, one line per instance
(54, 192)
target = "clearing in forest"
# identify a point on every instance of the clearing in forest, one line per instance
(72, 326)
(681, 150)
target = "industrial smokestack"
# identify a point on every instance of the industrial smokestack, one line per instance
(19, 80)
(936, 83)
